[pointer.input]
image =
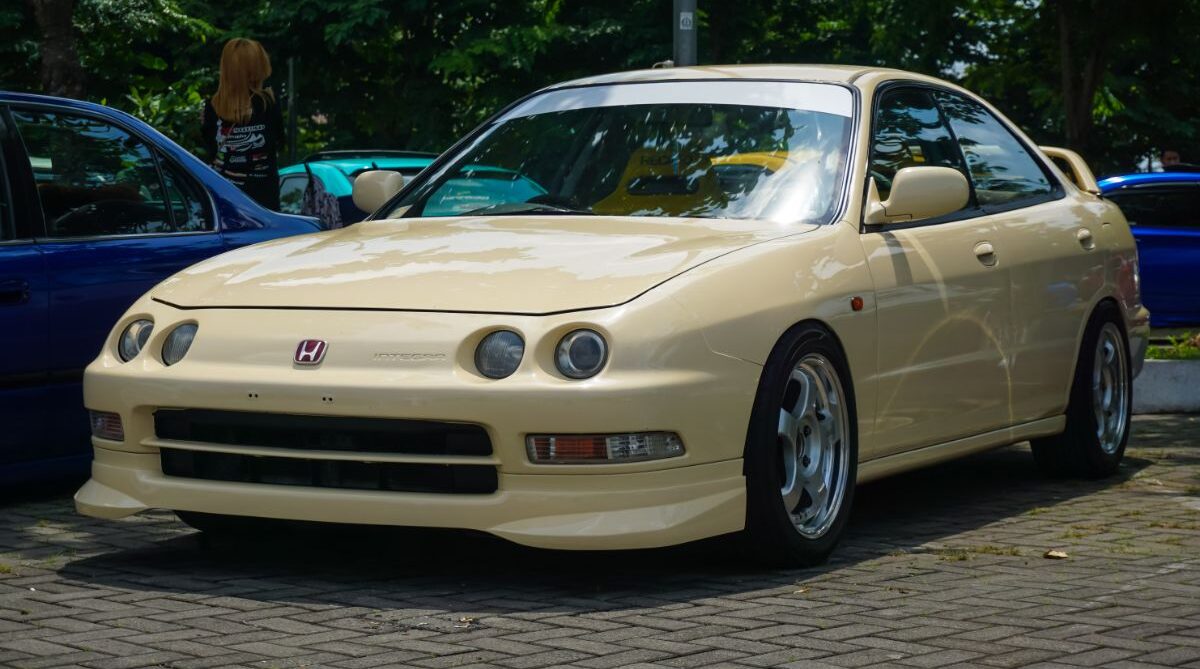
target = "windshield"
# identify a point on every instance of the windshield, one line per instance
(720, 149)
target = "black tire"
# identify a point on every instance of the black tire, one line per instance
(771, 536)
(1080, 451)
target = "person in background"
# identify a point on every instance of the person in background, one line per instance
(242, 126)
(1171, 162)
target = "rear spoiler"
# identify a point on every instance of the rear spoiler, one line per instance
(1072, 165)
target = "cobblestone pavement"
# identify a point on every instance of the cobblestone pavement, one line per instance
(943, 567)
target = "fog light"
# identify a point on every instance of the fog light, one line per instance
(602, 448)
(107, 425)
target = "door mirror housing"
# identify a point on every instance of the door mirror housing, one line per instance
(918, 193)
(373, 188)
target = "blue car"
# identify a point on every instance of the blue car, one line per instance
(1163, 209)
(95, 208)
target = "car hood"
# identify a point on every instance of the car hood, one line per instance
(507, 264)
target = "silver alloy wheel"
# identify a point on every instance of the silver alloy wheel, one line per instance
(813, 445)
(1110, 388)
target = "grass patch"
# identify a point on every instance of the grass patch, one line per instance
(963, 553)
(1182, 347)
(1174, 525)
(5, 569)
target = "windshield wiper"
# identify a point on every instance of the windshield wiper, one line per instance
(517, 208)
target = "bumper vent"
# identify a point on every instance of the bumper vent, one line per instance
(321, 433)
(343, 474)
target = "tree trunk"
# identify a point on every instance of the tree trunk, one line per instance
(62, 73)
(1081, 77)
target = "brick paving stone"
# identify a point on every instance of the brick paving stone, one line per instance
(939, 568)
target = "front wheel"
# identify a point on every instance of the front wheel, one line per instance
(1099, 408)
(801, 451)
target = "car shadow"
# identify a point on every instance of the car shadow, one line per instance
(388, 568)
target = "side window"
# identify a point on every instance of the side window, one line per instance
(291, 194)
(1002, 170)
(909, 131)
(93, 179)
(189, 203)
(1160, 207)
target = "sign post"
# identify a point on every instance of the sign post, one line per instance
(685, 32)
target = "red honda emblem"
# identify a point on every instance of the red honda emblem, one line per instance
(310, 352)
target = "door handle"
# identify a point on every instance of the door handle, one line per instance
(13, 292)
(1085, 239)
(985, 253)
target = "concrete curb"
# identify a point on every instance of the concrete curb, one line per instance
(1167, 386)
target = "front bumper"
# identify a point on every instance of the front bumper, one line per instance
(1139, 339)
(702, 396)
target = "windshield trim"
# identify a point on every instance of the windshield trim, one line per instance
(447, 158)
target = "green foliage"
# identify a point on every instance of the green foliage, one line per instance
(419, 73)
(1179, 347)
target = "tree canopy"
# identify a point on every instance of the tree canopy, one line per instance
(1115, 81)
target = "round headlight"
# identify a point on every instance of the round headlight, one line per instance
(134, 337)
(499, 354)
(581, 354)
(178, 342)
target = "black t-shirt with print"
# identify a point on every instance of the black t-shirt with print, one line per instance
(247, 153)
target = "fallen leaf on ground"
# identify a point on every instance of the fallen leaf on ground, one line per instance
(1056, 555)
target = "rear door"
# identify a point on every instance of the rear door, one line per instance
(23, 298)
(1165, 219)
(117, 218)
(1046, 242)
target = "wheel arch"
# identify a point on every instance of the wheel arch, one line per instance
(847, 373)
(1106, 301)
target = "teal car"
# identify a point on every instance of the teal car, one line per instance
(337, 170)
(480, 186)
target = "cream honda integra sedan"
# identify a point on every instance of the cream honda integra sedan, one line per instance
(638, 310)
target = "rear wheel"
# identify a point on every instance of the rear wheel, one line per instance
(1099, 408)
(801, 451)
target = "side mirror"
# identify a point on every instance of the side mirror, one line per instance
(918, 193)
(372, 189)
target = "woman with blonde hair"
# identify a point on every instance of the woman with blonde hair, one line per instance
(242, 125)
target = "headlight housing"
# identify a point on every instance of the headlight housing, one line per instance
(581, 354)
(133, 338)
(499, 354)
(178, 342)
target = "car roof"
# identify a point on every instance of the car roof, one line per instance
(842, 74)
(1147, 178)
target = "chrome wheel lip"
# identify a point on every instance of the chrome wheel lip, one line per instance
(1110, 388)
(813, 440)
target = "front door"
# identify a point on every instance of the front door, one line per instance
(117, 219)
(942, 297)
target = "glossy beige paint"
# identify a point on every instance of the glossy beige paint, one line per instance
(692, 309)
(508, 264)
